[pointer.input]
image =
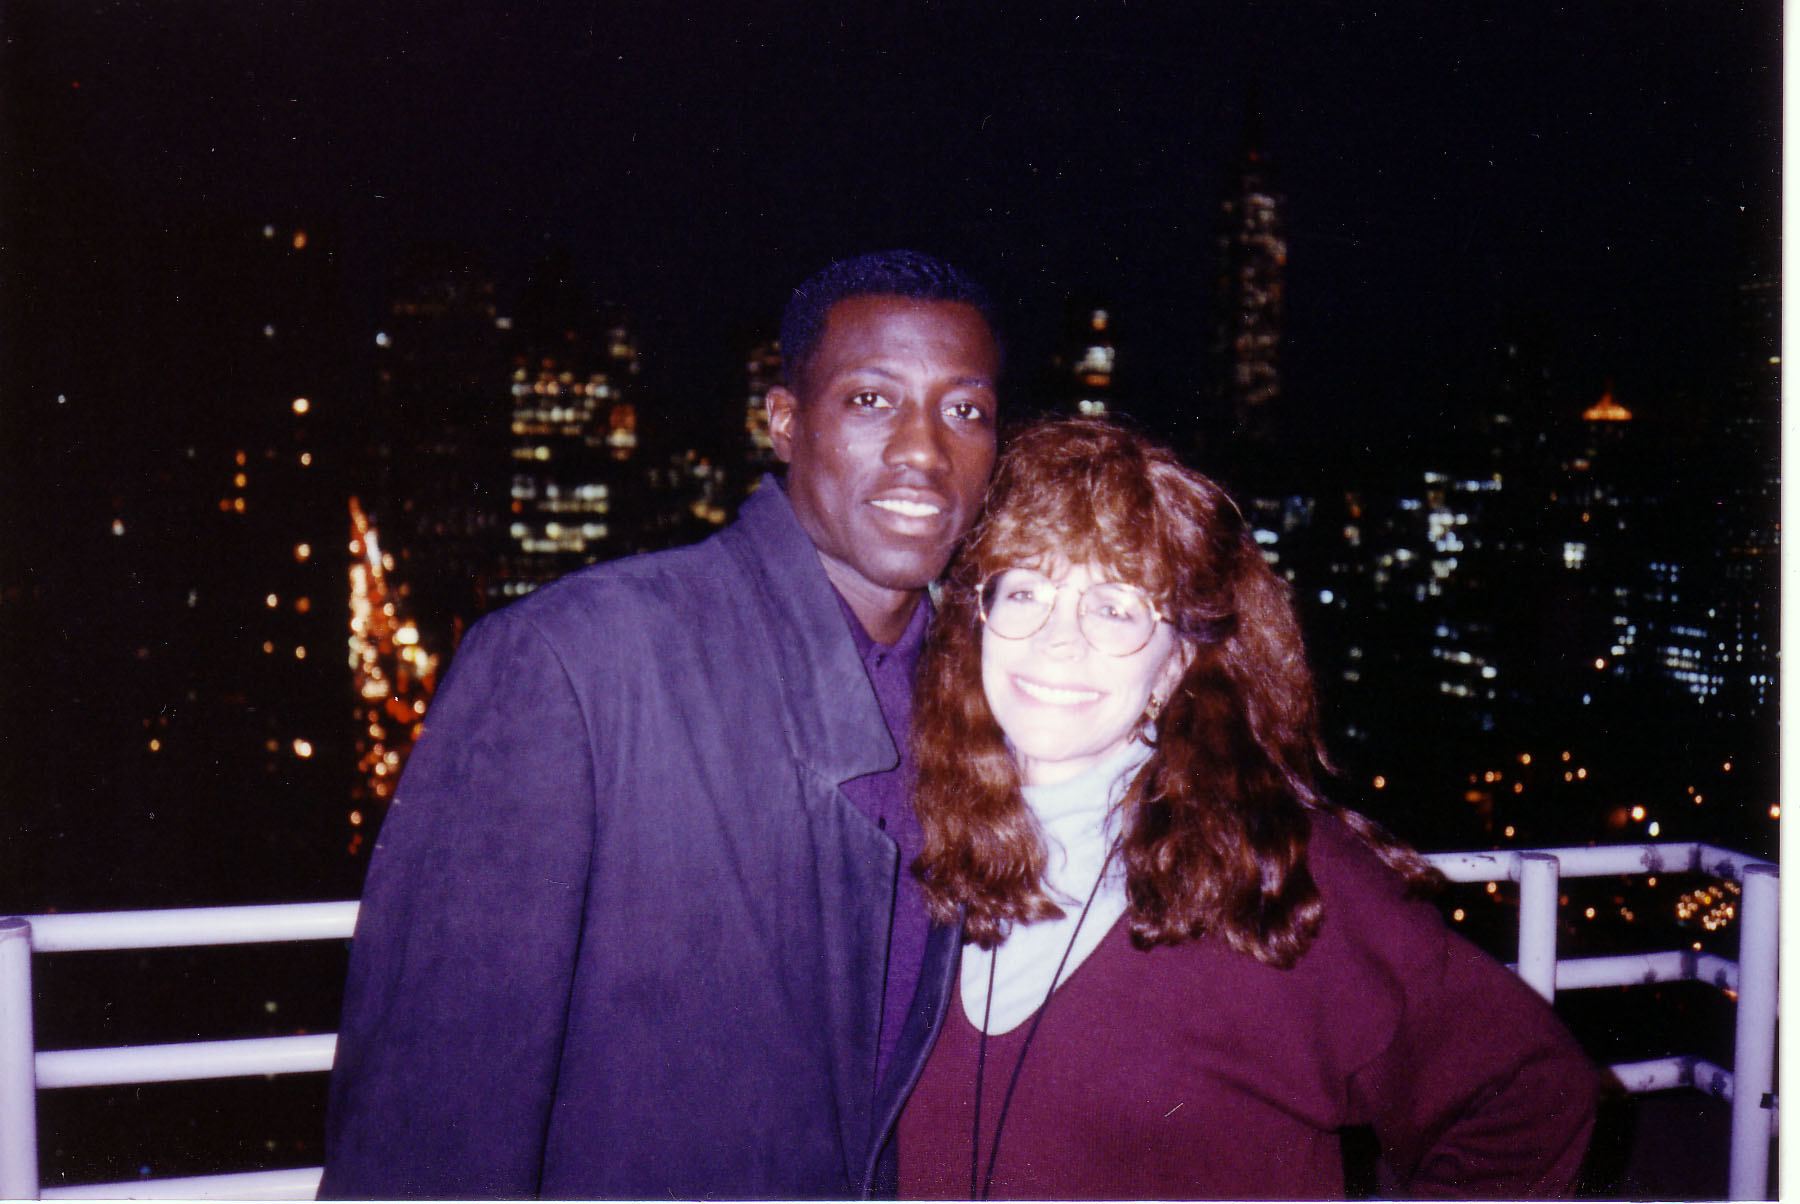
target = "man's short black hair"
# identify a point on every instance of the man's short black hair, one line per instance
(909, 274)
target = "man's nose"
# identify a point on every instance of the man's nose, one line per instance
(919, 439)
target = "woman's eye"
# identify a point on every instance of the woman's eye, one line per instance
(1114, 607)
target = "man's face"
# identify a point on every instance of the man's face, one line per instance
(890, 444)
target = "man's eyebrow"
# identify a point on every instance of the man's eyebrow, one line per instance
(978, 382)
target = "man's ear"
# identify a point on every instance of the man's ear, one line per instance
(783, 408)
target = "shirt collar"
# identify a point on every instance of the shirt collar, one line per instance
(906, 647)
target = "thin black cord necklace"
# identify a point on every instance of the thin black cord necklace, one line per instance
(987, 1013)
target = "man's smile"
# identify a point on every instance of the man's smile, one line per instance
(907, 507)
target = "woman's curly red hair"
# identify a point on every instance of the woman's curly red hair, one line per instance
(1216, 822)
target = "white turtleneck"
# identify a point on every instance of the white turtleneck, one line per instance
(1079, 826)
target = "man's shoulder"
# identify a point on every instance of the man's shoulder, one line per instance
(634, 592)
(732, 575)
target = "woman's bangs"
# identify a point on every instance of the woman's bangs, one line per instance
(1060, 525)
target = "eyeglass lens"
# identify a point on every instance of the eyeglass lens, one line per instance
(1116, 618)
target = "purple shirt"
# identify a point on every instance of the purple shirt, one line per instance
(886, 798)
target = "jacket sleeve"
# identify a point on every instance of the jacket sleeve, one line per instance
(466, 941)
(1482, 1094)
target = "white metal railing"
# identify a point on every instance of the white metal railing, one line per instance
(1750, 1085)
(24, 1070)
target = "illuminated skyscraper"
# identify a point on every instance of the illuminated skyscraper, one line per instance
(573, 435)
(1091, 367)
(195, 668)
(393, 676)
(1252, 266)
(278, 455)
(436, 469)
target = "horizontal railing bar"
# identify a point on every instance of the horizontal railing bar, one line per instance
(105, 930)
(301, 1183)
(1663, 1074)
(1598, 861)
(336, 920)
(1633, 969)
(106, 1067)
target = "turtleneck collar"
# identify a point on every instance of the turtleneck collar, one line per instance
(1079, 827)
(1078, 820)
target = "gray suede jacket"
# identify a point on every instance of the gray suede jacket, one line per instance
(623, 935)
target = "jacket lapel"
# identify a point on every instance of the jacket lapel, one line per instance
(937, 977)
(831, 715)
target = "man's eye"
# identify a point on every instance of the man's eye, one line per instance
(967, 411)
(870, 399)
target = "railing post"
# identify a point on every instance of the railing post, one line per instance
(1753, 1059)
(18, 1059)
(1540, 878)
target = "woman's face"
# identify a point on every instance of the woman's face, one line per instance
(1064, 705)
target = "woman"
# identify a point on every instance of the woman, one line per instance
(1186, 971)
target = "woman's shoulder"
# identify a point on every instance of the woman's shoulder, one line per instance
(1368, 906)
(1334, 850)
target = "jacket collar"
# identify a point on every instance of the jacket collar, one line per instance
(831, 715)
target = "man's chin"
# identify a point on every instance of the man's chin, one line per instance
(910, 578)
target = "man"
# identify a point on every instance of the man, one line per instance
(639, 922)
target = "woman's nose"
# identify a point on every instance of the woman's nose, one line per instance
(1062, 630)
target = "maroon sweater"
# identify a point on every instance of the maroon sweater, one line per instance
(1192, 1072)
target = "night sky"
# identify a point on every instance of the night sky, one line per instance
(1602, 174)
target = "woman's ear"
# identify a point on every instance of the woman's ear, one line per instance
(1181, 655)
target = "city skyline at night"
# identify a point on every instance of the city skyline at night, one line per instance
(335, 327)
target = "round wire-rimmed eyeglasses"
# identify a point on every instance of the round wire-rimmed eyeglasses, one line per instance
(1115, 618)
